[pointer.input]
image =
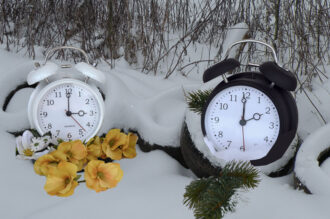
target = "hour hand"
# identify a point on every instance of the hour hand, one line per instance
(68, 95)
(80, 113)
(256, 116)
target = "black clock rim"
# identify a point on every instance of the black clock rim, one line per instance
(283, 101)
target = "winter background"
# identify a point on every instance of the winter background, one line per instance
(150, 62)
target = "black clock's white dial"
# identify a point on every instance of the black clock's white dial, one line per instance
(69, 111)
(241, 123)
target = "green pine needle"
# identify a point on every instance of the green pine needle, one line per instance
(197, 99)
(212, 197)
(243, 171)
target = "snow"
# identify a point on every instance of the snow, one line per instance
(153, 184)
(325, 166)
(274, 198)
(307, 167)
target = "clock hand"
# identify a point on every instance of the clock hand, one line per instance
(68, 95)
(243, 147)
(256, 116)
(80, 113)
(242, 122)
(75, 120)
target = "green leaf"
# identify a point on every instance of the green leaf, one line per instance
(35, 133)
(77, 177)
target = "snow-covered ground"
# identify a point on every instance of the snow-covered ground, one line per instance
(153, 184)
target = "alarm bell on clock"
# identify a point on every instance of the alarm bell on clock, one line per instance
(66, 101)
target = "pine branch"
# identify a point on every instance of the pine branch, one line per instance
(196, 100)
(243, 171)
(195, 190)
(212, 197)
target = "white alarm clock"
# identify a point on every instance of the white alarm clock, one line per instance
(67, 102)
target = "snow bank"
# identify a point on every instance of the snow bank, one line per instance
(307, 167)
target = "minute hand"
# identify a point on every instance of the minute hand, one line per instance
(242, 122)
(244, 104)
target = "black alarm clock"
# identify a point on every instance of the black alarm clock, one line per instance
(250, 116)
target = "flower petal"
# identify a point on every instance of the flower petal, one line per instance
(72, 186)
(115, 154)
(112, 174)
(78, 150)
(64, 147)
(68, 168)
(54, 184)
(119, 140)
(130, 151)
(111, 134)
(19, 145)
(26, 139)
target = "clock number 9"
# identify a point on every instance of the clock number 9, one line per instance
(216, 119)
(45, 114)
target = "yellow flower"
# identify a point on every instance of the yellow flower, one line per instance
(94, 149)
(101, 176)
(61, 180)
(129, 148)
(74, 151)
(112, 144)
(47, 162)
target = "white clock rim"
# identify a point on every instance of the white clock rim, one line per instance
(42, 91)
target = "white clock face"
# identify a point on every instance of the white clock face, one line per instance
(241, 123)
(69, 110)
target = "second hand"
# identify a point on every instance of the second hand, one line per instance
(243, 138)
